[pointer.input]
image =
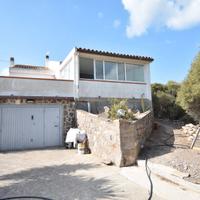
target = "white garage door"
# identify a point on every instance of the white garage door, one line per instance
(30, 126)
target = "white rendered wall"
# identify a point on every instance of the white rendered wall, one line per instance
(67, 66)
(35, 87)
(106, 89)
(54, 66)
(67, 71)
(147, 77)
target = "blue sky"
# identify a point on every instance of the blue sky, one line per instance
(170, 32)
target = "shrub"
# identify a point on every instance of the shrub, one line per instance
(164, 101)
(117, 104)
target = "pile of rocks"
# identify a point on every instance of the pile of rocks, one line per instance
(190, 131)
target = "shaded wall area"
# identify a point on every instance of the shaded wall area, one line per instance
(97, 104)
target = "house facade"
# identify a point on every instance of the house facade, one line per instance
(37, 103)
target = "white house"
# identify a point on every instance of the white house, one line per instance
(43, 98)
(93, 73)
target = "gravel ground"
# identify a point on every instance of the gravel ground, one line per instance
(160, 149)
(62, 174)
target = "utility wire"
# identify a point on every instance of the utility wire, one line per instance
(2, 60)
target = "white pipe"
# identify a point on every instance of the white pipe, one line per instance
(89, 107)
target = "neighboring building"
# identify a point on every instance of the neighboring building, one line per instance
(42, 98)
(31, 71)
(48, 71)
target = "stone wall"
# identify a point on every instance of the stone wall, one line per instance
(133, 136)
(103, 136)
(117, 141)
(68, 108)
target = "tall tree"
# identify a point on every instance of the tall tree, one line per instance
(189, 93)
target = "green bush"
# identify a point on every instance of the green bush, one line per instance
(164, 101)
(117, 104)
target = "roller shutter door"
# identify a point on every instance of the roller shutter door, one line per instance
(30, 126)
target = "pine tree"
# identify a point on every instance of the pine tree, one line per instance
(189, 93)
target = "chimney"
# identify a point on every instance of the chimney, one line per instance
(46, 60)
(12, 61)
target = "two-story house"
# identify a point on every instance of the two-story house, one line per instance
(37, 103)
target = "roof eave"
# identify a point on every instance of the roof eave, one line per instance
(106, 53)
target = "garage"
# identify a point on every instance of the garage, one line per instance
(30, 126)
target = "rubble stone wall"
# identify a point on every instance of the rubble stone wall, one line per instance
(117, 141)
(133, 136)
(191, 131)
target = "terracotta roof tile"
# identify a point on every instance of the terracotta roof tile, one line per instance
(106, 53)
(34, 67)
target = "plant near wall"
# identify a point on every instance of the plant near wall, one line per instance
(142, 103)
(116, 106)
(144, 106)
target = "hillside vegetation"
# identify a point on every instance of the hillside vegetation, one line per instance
(165, 101)
(189, 93)
(179, 101)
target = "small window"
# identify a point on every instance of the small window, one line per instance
(135, 72)
(99, 69)
(121, 71)
(86, 68)
(110, 71)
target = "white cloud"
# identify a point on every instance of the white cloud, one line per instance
(116, 23)
(169, 42)
(173, 14)
(4, 72)
(100, 15)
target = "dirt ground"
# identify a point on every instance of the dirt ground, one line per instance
(168, 145)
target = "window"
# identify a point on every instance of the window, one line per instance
(121, 71)
(99, 69)
(134, 72)
(86, 68)
(110, 71)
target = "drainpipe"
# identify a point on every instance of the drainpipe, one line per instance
(76, 75)
(89, 107)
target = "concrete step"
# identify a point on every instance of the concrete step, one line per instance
(167, 182)
(163, 170)
(197, 143)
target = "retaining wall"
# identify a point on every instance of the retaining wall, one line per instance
(117, 141)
